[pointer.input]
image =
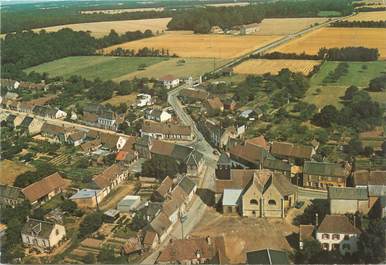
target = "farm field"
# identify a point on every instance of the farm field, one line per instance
(369, 16)
(262, 66)
(192, 67)
(13, 170)
(186, 44)
(124, 10)
(284, 26)
(91, 67)
(323, 94)
(100, 29)
(337, 37)
(329, 14)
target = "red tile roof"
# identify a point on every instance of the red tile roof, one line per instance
(338, 224)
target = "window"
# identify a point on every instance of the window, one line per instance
(325, 246)
(253, 201)
(335, 246)
(346, 237)
(346, 246)
(286, 198)
(57, 231)
(325, 236)
(335, 236)
(272, 202)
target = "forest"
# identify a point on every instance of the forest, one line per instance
(25, 49)
(200, 20)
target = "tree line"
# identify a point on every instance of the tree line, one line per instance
(25, 49)
(143, 52)
(359, 24)
(330, 54)
(200, 20)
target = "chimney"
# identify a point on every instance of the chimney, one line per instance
(209, 240)
(316, 221)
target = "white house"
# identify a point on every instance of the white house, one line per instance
(42, 235)
(144, 100)
(169, 81)
(337, 233)
(157, 115)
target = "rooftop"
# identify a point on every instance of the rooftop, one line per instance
(231, 197)
(338, 224)
(337, 193)
(267, 256)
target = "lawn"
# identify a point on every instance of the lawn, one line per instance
(11, 169)
(116, 100)
(91, 67)
(329, 14)
(321, 94)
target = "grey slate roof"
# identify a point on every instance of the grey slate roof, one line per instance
(276, 164)
(323, 169)
(231, 197)
(26, 122)
(335, 193)
(267, 256)
(187, 184)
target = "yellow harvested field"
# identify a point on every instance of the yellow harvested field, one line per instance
(116, 100)
(185, 44)
(99, 29)
(284, 26)
(10, 170)
(262, 66)
(229, 4)
(369, 16)
(337, 38)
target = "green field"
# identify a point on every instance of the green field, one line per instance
(329, 14)
(360, 73)
(91, 67)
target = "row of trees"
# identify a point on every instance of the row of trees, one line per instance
(330, 54)
(200, 20)
(359, 24)
(338, 72)
(143, 52)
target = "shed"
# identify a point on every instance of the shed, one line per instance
(110, 215)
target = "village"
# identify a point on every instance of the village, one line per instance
(120, 211)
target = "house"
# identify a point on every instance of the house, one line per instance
(306, 233)
(49, 112)
(26, 106)
(249, 28)
(149, 210)
(231, 201)
(10, 196)
(87, 198)
(188, 188)
(14, 121)
(100, 116)
(131, 246)
(24, 125)
(151, 240)
(214, 105)
(193, 159)
(144, 100)
(41, 235)
(162, 225)
(321, 175)
(251, 115)
(268, 195)
(109, 179)
(229, 104)
(35, 127)
(267, 256)
(247, 155)
(289, 151)
(337, 233)
(163, 190)
(277, 165)
(348, 200)
(169, 81)
(91, 146)
(192, 251)
(54, 132)
(11, 96)
(9, 84)
(129, 203)
(191, 95)
(76, 138)
(157, 115)
(216, 30)
(166, 131)
(43, 190)
(107, 119)
(364, 178)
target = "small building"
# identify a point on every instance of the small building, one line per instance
(43, 190)
(132, 246)
(110, 178)
(111, 215)
(42, 235)
(251, 114)
(216, 30)
(129, 203)
(321, 175)
(157, 115)
(151, 240)
(292, 152)
(87, 198)
(162, 225)
(144, 100)
(348, 200)
(231, 201)
(364, 178)
(10, 196)
(214, 105)
(267, 256)
(337, 233)
(249, 28)
(163, 190)
(76, 138)
(169, 81)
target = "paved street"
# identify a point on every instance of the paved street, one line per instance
(308, 194)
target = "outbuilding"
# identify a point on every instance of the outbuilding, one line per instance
(129, 203)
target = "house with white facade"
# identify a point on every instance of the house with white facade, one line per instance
(169, 81)
(144, 100)
(157, 115)
(336, 232)
(42, 235)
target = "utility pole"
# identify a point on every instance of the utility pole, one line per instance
(182, 220)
